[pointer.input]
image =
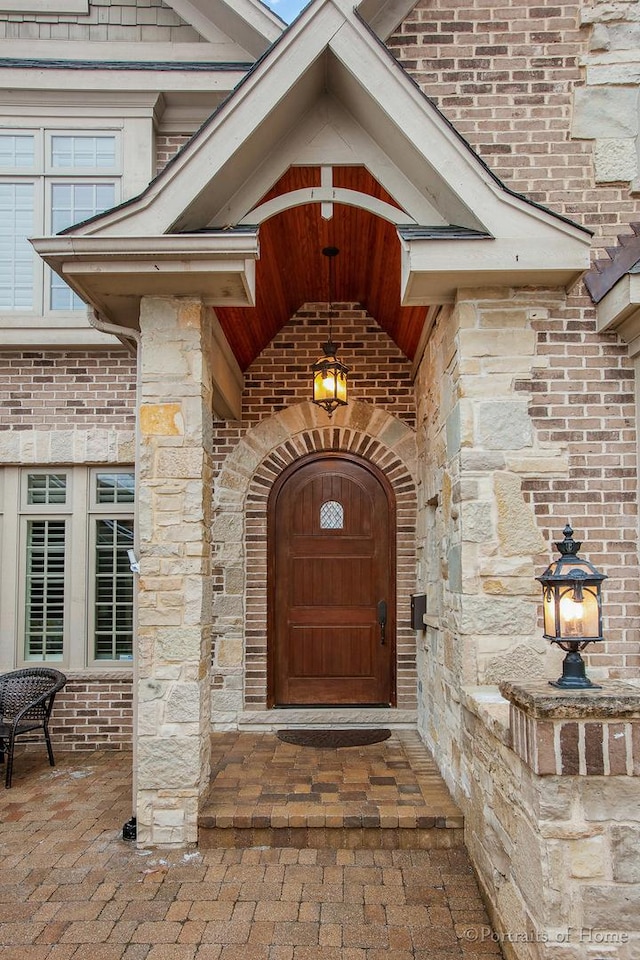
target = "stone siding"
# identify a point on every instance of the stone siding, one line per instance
(606, 109)
(122, 20)
(174, 586)
(555, 855)
(496, 487)
(70, 390)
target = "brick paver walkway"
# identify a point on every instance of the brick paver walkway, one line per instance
(71, 887)
(301, 796)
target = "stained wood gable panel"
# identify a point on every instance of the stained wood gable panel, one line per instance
(292, 269)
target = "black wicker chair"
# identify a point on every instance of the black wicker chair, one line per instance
(26, 700)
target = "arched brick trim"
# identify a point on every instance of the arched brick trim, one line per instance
(240, 536)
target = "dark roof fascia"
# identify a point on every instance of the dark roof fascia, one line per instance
(243, 228)
(192, 66)
(452, 232)
(477, 157)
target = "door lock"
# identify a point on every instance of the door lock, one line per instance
(382, 619)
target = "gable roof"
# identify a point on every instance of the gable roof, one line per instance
(327, 93)
(250, 23)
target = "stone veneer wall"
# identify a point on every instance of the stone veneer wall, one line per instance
(174, 586)
(279, 425)
(496, 486)
(556, 854)
(526, 416)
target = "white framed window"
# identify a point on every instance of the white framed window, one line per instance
(111, 581)
(49, 180)
(70, 600)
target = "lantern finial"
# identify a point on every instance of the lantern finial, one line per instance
(568, 546)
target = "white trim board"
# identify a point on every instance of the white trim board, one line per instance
(48, 7)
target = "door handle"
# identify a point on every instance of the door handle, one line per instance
(382, 619)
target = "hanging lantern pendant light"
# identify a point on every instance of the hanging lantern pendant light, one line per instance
(329, 373)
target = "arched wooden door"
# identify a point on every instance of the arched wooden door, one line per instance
(331, 584)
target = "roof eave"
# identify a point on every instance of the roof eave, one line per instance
(619, 311)
(112, 274)
(435, 270)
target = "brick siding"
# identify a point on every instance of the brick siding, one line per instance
(572, 747)
(280, 378)
(167, 146)
(92, 713)
(59, 391)
(506, 82)
(240, 564)
(584, 401)
(281, 375)
(504, 76)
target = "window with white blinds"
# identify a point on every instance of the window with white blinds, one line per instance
(73, 582)
(113, 606)
(71, 203)
(49, 181)
(45, 589)
(17, 222)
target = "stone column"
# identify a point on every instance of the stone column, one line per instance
(174, 600)
(477, 448)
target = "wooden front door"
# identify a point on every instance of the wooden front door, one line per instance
(332, 578)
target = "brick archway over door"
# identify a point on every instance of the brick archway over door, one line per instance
(240, 532)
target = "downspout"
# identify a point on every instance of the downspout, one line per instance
(103, 326)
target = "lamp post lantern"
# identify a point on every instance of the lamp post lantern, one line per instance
(572, 607)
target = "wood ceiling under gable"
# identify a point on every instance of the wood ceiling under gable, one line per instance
(292, 271)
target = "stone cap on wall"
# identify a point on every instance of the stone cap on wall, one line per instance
(539, 699)
(594, 732)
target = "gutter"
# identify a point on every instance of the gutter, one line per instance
(103, 326)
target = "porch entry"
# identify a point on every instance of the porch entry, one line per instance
(332, 574)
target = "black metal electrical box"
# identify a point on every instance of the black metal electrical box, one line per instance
(418, 610)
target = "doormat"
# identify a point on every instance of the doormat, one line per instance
(333, 738)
